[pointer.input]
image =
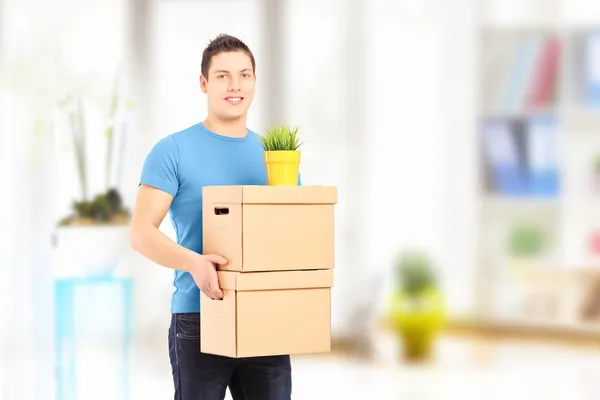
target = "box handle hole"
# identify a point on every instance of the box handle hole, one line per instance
(221, 210)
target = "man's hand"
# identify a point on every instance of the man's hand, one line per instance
(151, 208)
(204, 272)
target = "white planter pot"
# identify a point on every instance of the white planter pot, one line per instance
(97, 250)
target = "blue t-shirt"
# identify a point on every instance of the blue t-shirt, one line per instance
(181, 164)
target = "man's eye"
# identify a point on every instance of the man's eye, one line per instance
(222, 76)
(246, 75)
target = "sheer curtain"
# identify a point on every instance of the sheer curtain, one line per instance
(375, 90)
(10, 268)
(36, 189)
(21, 225)
(323, 96)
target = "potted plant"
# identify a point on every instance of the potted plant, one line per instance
(525, 245)
(417, 310)
(282, 157)
(97, 231)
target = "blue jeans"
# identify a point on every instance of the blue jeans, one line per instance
(200, 376)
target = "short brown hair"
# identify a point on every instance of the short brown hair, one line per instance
(220, 44)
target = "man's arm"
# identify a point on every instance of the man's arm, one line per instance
(150, 209)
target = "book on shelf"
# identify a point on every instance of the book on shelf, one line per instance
(521, 156)
(544, 75)
(523, 75)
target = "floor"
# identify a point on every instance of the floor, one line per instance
(465, 368)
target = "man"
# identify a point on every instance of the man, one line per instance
(219, 151)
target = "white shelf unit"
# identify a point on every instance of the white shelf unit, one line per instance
(558, 287)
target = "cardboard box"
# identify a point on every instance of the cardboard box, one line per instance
(270, 228)
(268, 313)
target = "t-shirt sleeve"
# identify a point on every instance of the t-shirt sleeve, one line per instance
(161, 167)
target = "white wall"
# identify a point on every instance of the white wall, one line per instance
(317, 90)
(11, 267)
(21, 228)
(417, 149)
(405, 112)
(459, 170)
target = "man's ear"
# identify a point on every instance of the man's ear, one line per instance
(203, 83)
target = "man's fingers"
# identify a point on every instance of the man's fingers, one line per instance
(212, 287)
(213, 294)
(215, 289)
(213, 258)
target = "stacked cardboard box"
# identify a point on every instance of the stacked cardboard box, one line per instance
(279, 243)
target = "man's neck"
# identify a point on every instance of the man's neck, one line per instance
(235, 129)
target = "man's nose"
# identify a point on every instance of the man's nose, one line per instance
(234, 84)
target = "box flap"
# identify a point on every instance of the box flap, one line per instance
(275, 280)
(270, 194)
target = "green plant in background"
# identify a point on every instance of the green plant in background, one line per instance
(281, 138)
(597, 164)
(526, 240)
(106, 207)
(414, 273)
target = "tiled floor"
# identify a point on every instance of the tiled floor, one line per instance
(463, 369)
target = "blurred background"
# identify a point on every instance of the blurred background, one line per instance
(463, 137)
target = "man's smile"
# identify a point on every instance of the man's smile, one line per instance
(234, 100)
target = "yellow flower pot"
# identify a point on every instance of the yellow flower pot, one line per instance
(282, 167)
(417, 322)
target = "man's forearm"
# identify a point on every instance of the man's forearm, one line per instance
(159, 248)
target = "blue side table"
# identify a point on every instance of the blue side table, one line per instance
(73, 293)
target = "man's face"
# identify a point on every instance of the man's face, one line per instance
(230, 85)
